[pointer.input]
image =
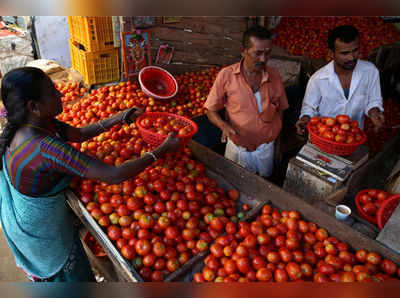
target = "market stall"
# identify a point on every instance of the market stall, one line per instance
(255, 191)
(317, 188)
(166, 223)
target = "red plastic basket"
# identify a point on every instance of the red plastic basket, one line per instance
(360, 211)
(156, 139)
(333, 147)
(386, 210)
(157, 82)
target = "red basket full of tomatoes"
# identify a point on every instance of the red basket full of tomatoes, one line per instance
(369, 202)
(154, 127)
(340, 135)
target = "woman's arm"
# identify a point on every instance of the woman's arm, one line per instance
(99, 170)
(78, 135)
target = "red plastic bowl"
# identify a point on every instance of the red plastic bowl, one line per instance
(386, 210)
(157, 82)
(360, 211)
(334, 147)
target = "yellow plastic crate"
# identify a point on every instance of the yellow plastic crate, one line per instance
(95, 67)
(94, 33)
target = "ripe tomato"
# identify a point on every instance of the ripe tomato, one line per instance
(114, 232)
(217, 224)
(365, 198)
(347, 277)
(263, 274)
(361, 255)
(293, 270)
(343, 119)
(314, 120)
(233, 194)
(258, 262)
(230, 228)
(217, 250)
(128, 252)
(243, 265)
(382, 196)
(280, 275)
(373, 258)
(172, 264)
(230, 267)
(370, 209)
(149, 260)
(142, 247)
(159, 249)
(388, 267)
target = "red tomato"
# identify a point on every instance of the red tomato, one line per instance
(314, 120)
(128, 252)
(342, 119)
(280, 275)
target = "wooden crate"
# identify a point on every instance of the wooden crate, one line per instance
(254, 190)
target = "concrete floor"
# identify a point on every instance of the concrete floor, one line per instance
(8, 270)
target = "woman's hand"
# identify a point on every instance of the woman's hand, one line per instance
(170, 144)
(130, 115)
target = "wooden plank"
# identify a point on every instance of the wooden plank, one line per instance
(227, 45)
(264, 190)
(124, 269)
(228, 24)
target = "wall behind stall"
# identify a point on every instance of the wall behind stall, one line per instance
(200, 42)
(52, 36)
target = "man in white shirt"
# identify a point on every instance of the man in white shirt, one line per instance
(346, 85)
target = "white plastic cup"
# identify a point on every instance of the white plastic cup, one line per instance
(342, 212)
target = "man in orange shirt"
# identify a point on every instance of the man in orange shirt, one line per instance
(254, 98)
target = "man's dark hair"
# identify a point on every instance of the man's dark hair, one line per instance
(346, 33)
(255, 31)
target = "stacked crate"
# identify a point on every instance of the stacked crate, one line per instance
(92, 49)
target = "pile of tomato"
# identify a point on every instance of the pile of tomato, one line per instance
(369, 202)
(164, 216)
(281, 247)
(308, 36)
(106, 101)
(70, 91)
(163, 125)
(340, 129)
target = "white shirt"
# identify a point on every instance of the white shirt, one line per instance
(325, 96)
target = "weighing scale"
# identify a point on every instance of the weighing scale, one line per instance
(313, 174)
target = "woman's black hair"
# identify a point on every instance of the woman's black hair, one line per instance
(18, 86)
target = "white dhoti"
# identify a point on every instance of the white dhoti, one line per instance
(259, 161)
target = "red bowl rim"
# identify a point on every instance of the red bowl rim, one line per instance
(148, 92)
(362, 141)
(192, 123)
(359, 209)
(379, 214)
